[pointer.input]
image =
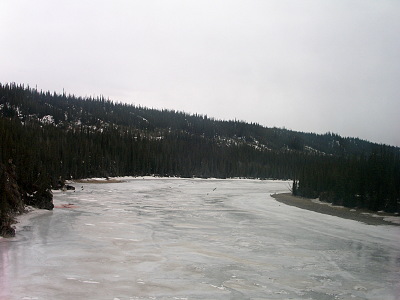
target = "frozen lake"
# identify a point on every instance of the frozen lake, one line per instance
(195, 239)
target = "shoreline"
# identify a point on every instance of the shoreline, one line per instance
(24, 219)
(357, 214)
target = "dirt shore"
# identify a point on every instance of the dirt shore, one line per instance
(361, 215)
(101, 180)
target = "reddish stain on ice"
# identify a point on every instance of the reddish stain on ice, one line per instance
(69, 205)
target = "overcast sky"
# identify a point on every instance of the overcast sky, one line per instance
(315, 66)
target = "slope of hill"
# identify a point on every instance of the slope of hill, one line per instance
(70, 112)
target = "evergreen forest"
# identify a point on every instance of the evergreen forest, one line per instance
(47, 138)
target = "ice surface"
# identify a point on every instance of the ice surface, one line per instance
(195, 239)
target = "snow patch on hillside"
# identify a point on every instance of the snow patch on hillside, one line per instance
(47, 120)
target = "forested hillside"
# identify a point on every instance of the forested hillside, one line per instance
(48, 136)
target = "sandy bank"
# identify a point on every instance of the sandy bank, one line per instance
(98, 180)
(361, 215)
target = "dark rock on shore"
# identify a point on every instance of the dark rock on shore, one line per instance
(69, 187)
(41, 198)
(60, 185)
(6, 230)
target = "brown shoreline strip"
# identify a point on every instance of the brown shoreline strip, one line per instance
(361, 215)
(98, 181)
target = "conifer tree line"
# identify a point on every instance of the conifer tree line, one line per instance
(371, 182)
(49, 136)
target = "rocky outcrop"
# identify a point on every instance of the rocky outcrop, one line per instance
(15, 195)
(40, 198)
